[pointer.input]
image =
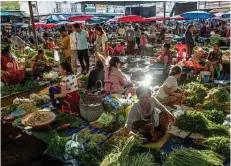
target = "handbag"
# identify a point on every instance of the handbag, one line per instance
(73, 147)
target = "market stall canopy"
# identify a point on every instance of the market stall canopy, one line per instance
(62, 23)
(197, 15)
(80, 18)
(4, 13)
(130, 18)
(79, 22)
(52, 19)
(49, 26)
(20, 25)
(178, 17)
(226, 15)
(61, 18)
(150, 19)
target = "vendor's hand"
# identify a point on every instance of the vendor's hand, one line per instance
(178, 95)
(55, 96)
(149, 127)
(171, 118)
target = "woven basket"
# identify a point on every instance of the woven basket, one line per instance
(91, 112)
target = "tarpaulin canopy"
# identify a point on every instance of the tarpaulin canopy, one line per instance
(52, 19)
(197, 15)
(80, 18)
(150, 19)
(130, 18)
(61, 18)
(178, 17)
(20, 25)
(4, 13)
(49, 26)
(226, 15)
(62, 23)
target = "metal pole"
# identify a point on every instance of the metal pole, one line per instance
(33, 26)
(130, 8)
(164, 11)
(37, 11)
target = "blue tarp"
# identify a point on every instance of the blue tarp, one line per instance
(197, 15)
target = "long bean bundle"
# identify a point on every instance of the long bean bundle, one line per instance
(192, 157)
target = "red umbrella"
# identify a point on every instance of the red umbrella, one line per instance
(80, 18)
(131, 18)
(155, 19)
(178, 17)
(49, 26)
(38, 25)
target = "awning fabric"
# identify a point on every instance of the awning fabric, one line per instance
(3, 13)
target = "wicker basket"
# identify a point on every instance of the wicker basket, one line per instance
(91, 111)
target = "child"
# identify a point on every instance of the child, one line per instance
(119, 49)
(51, 44)
(143, 42)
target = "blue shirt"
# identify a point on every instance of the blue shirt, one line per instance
(82, 43)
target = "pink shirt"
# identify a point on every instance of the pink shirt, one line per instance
(117, 80)
(119, 48)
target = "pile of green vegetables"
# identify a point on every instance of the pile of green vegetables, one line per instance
(215, 116)
(29, 85)
(199, 93)
(209, 105)
(195, 121)
(83, 78)
(121, 156)
(193, 157)
(218, 144)
(56, 146)
(220, 94)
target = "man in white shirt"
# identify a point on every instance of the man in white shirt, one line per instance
(82, 47)
(73, 41)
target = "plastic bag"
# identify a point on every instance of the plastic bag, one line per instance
(73, 147)
(56, 56)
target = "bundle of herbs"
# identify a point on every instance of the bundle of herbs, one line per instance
(195, 121)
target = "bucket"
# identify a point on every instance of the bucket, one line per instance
(204, 76)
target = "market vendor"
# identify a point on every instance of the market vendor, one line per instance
(189, 40)
(165, 56)
(10, 72)
(119, 49)
(114, 79)
(96, 77)
(148, 116)
(169, 93)
(214, 60)
(40, 66)
(67, 92)
(65, 46)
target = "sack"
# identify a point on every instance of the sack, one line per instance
(73, 147)
(56, 56)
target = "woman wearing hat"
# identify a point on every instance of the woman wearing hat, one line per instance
(148, 116)
(169, 93)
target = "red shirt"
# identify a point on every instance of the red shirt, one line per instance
(109, 49)
(161, 57)
(8, 64)
(119, 48)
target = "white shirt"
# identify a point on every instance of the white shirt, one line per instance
(171, 83)
(73, 41)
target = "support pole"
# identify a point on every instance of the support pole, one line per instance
(33, 26)
(164, 10)
(130, 8)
